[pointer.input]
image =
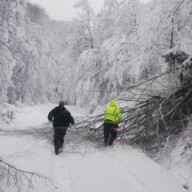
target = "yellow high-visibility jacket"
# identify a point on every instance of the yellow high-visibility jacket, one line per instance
(113, 113)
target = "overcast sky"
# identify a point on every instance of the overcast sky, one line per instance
(63, 9)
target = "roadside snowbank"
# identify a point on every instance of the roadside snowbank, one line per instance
(177, 157)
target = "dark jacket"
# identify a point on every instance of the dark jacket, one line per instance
(61, 117)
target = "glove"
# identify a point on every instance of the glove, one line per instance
(116, 127)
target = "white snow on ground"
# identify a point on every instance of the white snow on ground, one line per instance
(81, 167)
(28, 116)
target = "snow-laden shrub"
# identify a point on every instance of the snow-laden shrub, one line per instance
(7, 113)
(186, 73)
(176, 156)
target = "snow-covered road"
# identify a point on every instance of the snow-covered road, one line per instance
(83, 168)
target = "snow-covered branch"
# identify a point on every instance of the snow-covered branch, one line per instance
(19, 178)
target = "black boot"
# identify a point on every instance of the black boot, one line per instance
(56, 144)
(111, 141)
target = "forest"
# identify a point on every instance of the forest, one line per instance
(91, 59)
(134, 52)
(139, 54)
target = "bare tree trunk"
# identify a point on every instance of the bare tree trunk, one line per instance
(172, 34)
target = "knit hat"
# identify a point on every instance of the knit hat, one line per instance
(61, 103)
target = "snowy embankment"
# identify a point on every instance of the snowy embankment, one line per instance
(81, 167)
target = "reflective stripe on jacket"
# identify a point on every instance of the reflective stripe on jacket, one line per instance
(112, 112)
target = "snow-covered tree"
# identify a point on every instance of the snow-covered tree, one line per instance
(86, 23)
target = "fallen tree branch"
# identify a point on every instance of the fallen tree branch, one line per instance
(19, 178)
(148, 123)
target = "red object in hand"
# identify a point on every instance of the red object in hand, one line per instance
(116, 127)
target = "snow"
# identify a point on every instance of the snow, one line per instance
(178, 155)
(32, 116)
(81, 167)
(127, 170)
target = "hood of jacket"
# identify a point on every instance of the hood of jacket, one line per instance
(113, 103)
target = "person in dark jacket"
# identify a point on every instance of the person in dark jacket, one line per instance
(61, 119)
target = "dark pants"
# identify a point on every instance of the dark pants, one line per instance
(109, 134)
(59, 134)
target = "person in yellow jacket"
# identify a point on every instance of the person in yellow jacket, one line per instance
(112, 116)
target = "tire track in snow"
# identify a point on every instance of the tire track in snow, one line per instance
(59, 172)
(125, 175)
(115, 169)
(96, 172)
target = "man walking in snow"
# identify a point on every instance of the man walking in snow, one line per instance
(61, 118)
(112, 116)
